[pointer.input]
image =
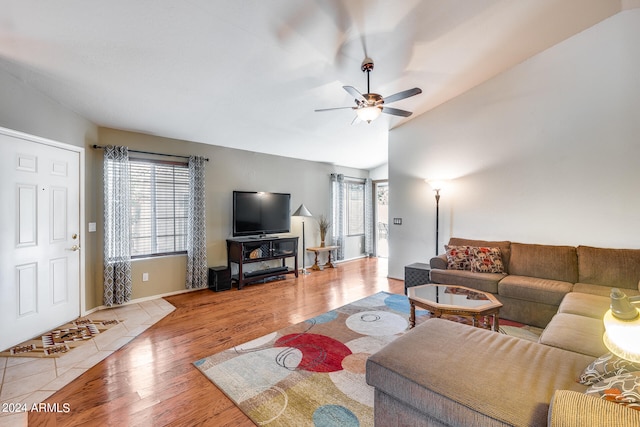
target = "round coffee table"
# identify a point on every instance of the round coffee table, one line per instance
(456, 300)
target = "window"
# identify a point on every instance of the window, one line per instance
(355, 208)
(159, 207)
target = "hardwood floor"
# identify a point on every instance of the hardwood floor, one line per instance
(152, 382)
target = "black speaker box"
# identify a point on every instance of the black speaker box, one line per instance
(219, 278)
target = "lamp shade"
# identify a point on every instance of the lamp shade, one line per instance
(622, 337)
(436, 185)
(622, 327)
(368, 113)
(302, 211)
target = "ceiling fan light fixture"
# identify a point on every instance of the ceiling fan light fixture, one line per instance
(368, 114)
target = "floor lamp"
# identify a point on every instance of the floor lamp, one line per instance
(303, 211)
(437, 186)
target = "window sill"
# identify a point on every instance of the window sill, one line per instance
(152, 257)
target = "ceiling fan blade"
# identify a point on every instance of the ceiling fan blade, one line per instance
(336, 108)
(402, 95)
(396, 112)
(353, 92)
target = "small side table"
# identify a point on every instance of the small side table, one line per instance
(456, 300)
(328, 250)
(416, 274)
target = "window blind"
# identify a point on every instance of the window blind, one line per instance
(355, 208)
(159, 207)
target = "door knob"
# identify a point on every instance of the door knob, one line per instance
(75, 248)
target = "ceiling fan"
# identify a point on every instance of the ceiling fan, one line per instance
(369, 106)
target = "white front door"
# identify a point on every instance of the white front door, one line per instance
(39, 236)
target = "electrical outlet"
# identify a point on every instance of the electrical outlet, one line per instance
(145, 277)
(397, 221)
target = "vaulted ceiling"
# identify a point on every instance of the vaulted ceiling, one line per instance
(249, 74)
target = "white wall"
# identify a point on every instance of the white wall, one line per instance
(547, 152)
(25, 109)
(379, 173)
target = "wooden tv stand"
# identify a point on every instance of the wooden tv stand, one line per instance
(247, 250)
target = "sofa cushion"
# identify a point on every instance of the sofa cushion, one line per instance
(458, 257)
(458, 374)
(544, 261)
(505, 247)
(623, 389)
(574, 409)
(534, 289)
(486, 282)
(588, 305)
(604, 291)
(575, 333)
(605, 366)
(618, 268)
(486, 260)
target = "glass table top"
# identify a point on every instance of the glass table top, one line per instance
(449, 295)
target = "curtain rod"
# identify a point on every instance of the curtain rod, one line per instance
(150, 152)
(347, 176)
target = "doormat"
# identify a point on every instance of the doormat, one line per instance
(313, 373)
(61, 340)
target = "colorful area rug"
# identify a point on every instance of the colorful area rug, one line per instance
(60, 340)
(313, 373)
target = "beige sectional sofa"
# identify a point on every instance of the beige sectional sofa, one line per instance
(536, 278)
(443, 373)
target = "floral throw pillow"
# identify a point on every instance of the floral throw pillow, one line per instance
(623, 389)
(458, 257)
(486, 260)
(605, 366)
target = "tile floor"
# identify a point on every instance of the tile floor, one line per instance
(27, 381)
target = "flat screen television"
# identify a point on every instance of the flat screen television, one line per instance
(260, 213)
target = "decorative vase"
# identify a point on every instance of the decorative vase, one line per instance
(323, 225)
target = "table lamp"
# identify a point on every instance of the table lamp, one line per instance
(622, 326)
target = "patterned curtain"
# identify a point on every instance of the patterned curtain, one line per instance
(117, 256)
(197, 269)
(337, 213)
(368, 217)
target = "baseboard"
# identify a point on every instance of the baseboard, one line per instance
(139, 300)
